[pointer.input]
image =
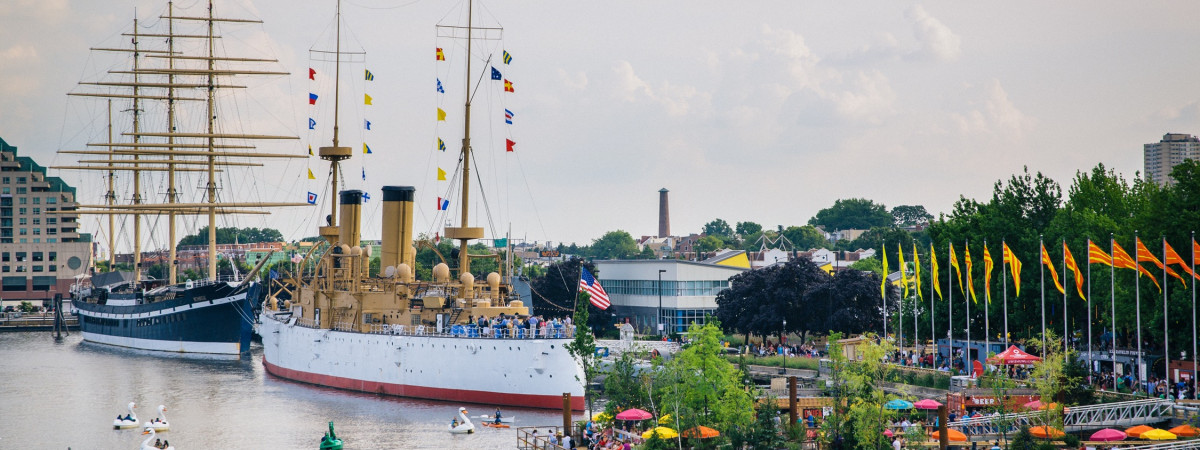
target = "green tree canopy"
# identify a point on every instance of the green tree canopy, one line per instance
(615, 245)
(228, 235)
(905, 215)
(805, 237)
(719, 228)
(853, 213)
(748, 228)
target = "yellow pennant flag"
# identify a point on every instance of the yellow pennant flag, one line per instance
(310, 175)
(441, 174)
(970, 282)
(310, 150)
(957, 269)
(366, 149)
(883, 283)
(917, 272)
(933, 265)
(366, 99)
(987, 274)
(1074, 268)
(1014, 265)
(903, 271)
(441, 114)
(1053, 273)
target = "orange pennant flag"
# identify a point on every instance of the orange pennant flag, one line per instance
(957, 270)
(1070, 260)
(1122, 260)
(987, 274)
(1097, 255)
(970, 282)
(1170, 257)
(1053, 273)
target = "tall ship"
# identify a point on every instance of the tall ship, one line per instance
(156, 155)
(330, 323)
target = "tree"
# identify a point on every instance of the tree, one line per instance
(615, 245)
(647, 253)
(905, 215)
(745, 229)
(708, 387)
(805, 237)
(228, 235)
(719, 228)
(853, 213)
(709, 244)
(624, 386)
(583, 347)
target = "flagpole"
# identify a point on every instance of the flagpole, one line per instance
(1137, 289)
(1089, 308)
(950, 302)
(987, 303)
(967, 350)
(1042, 249)
(1004, 273)
(900, 308)
(932, 281)
(1112, 292)
(1066, 330)
(916, 316)
(1195, 381)
(1166, 330)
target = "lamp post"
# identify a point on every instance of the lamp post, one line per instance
(785, 356)
(660, 316)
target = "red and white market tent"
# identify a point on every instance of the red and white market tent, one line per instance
(1013, 357)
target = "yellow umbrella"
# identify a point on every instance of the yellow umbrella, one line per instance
(1158, 435)
(666, 418)
(663, 433)
(602, 417)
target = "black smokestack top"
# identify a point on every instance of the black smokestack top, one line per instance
(351, 197)
(664, 214)
(398, 193)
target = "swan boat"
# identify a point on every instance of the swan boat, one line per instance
(159, 423)
(330, 323)
(464, 425)
(146, 445)
(130, 420)
(132, 309)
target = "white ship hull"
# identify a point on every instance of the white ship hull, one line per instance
(510, 372)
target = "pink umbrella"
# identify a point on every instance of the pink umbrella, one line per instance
(1108, 435)
(1034, 404)
(887, 433)
(634, 414)
(927, 404)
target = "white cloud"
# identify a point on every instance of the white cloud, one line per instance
(936, 40)
(992, 113)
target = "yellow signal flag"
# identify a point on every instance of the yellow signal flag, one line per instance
(988, 265)
(310, 153)
(366, 99)
(1069, 260)
(441, 114)
(1014, 265)
(441, 174)
(970, 282)
(903, 271)
(310, 175)
(1053, 273)
(883, 283)
(917, 271)
(957, 269)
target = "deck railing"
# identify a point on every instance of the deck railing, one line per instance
(458, 331)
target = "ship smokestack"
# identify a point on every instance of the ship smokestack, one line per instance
(664, 214)
(397, 226)
(350, 233)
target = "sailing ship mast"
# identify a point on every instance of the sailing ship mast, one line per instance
(210, 152)
(336, 153)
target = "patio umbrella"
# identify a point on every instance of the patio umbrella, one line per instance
(898, 404)
(701, 432)
(1185, 431)
(1158, 435)
(1033, 405)
(1136, 432)
(951, 435)
(634, 414)
(1108, 435)
(602, 416)
(1043, 432)
(666, 418)
(663, 433)
(887, 433)
(927, 404)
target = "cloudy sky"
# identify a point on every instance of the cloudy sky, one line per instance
(764, 111)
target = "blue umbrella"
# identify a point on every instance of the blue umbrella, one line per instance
(898, 404)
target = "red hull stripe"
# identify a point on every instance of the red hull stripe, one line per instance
(431, 393)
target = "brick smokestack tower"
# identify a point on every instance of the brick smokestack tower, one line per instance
(664, 214)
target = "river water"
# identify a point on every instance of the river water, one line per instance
(59, 395)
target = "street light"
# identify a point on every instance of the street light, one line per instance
(660, 316)
(785, 356)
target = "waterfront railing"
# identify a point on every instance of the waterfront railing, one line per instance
(558, 331)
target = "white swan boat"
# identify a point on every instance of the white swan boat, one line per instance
(129, 420)
(159, 423)
(146, 445)
(464, 425)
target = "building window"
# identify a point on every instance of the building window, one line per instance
(38, 256)
(37, 268)
(20, 180)
(37, 231)
(6, 257)
(22, 231)
(6, 191)
(53, 256)
(22, 200)
(22, 221)
(22, 190)
(51, 220)
(6, 180)
(37, 200)
(51, 240)
(52, 231)
(20, 268)
(5, 269)
(37, 240)
(51, 200)
(37, 210)
(21, 211)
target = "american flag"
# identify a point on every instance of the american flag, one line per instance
(590, 284)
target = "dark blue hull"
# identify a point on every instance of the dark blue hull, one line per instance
(215, 318)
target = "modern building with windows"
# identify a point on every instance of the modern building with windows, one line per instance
(1164, 155)
(41, 248)
(686, 290)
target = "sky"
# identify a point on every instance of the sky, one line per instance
(762, 111)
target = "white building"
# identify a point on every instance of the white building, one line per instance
(686, 290)
(1164, 155)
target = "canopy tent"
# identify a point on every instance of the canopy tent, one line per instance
(1013, 357)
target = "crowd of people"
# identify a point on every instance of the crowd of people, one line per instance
(512, 326)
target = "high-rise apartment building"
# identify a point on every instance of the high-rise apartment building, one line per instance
(1164, 155)
(41, 248)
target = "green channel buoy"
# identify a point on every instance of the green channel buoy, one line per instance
(330, 440)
